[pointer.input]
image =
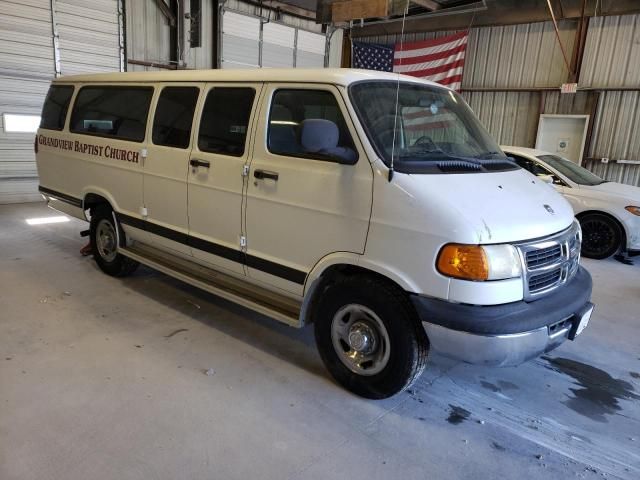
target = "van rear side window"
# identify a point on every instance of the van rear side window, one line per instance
(174, 116)
(117, 112)
(54, 111)
(225, 120)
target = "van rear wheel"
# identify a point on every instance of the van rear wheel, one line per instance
(104, 240)
(369, 337)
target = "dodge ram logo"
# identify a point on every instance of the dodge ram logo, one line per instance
(549, 209)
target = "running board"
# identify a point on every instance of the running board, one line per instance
(266, 302)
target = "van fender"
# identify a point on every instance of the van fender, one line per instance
(336, 259)
(95, 190)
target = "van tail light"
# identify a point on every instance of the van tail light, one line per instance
(35, 145)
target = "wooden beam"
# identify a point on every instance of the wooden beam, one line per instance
(428, 4)
(357, 9)
(166, 11)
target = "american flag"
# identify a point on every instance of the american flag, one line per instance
(372, 57)
(440, 60)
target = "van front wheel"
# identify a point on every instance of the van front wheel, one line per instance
(369, 337)
(104, 242)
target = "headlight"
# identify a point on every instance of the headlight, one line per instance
(632, 209)
(578, 228)
(474, 262)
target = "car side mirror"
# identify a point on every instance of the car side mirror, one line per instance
(550, 179)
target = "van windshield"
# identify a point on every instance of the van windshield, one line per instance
(432, 125)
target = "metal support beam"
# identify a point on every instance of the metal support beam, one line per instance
(55, 37)
(144, 63)
(121, 39)
(166, 11)
(428, 4)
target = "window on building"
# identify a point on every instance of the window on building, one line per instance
(195, 21)
(225, 120)
(16, 123)
(309, 124)
(54, 111)
(174, 116)
(108, 111)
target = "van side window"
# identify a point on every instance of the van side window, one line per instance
(54, 111)
(174, 116)
(308, 124)
(106, 111)
(225, 120)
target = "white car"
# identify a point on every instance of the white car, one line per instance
(609, 212)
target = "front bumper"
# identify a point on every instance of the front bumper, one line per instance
(509, 334)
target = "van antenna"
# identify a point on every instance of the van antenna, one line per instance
(395, 116)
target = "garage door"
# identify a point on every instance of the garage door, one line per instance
(246, 45)
(88, 40)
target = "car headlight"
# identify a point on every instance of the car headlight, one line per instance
(479, 263)
(633, 209)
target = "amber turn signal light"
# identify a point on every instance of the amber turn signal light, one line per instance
(468, 262)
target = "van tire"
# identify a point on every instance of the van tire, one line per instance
(103, 237)
(361, 304)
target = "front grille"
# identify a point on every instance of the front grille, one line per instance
(544, 280)
(543, 256)
(550, 262)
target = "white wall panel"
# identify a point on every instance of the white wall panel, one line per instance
(88, 42)
(240, 41)
(310, 50)
(278, 42)
(89, 36)
(26, 68)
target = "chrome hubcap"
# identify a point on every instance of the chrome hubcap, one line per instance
(106, 240)
(360, 339)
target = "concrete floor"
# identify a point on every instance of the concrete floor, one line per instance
(104, 378)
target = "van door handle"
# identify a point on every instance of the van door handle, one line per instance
(194, 162)
(262, 174)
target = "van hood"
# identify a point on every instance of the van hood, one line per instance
(499, 207)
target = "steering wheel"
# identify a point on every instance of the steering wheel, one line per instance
(426, 141)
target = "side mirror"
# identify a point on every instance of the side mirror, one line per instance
(550, 179)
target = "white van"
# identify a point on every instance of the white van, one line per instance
(372, 205)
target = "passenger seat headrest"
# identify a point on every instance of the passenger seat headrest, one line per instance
(319, 134)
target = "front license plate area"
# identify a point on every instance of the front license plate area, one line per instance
(581, 322)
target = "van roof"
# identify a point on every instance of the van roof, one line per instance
(337, 76)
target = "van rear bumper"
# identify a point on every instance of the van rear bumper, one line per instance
(510, 334)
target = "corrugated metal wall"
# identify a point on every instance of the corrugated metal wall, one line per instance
(507, 115)
(517, 56)
(612, 52)
(628, 173)
(147, 33)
